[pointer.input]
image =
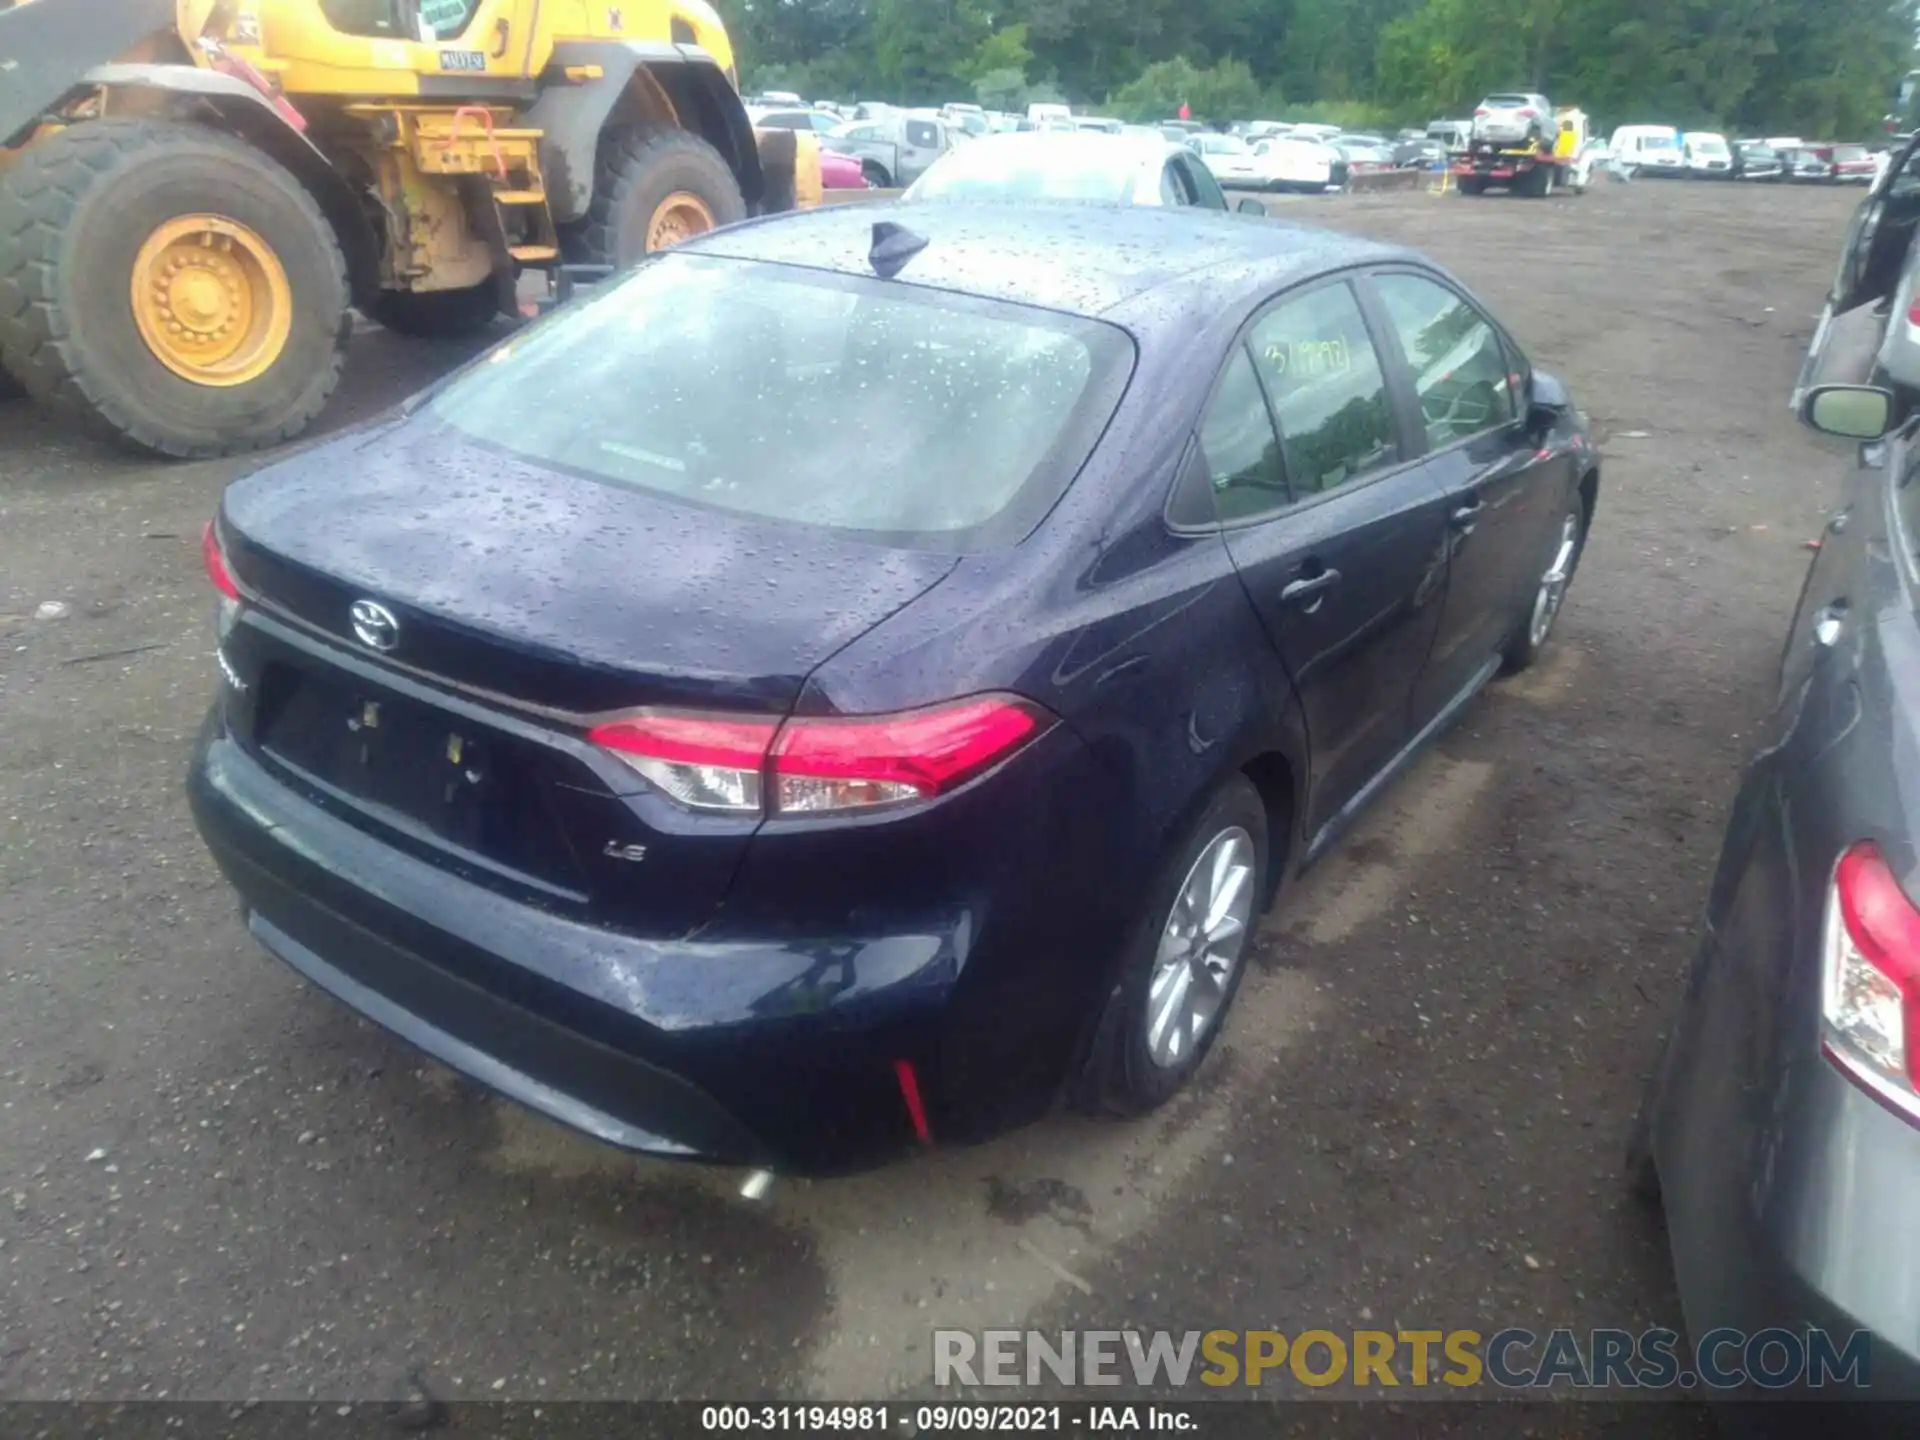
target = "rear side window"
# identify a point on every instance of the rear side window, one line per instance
(1320, 370)
(922, 134)
(911, 415)
(1459, 366)
(1237, 442)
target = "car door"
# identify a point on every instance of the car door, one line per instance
(1339, 542)
(1881, 233)
(1197, 184)
(1465, 386)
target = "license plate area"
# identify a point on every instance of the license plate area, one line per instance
(435, 775)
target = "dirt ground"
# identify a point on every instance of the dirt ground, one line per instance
(215, 1182)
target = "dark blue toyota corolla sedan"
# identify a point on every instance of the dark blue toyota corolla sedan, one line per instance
(848, 686)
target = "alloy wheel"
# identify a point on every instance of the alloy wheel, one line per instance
(1201, 945)
(1553, 584)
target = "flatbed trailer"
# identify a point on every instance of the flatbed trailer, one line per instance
(1525, 170)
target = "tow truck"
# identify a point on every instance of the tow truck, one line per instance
(1537, 170)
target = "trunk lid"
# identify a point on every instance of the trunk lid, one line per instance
(525, 600)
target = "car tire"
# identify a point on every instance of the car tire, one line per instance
(1640, 1172)
(875, 174)
(1472, 185)
(1155, 1030)
(1543, 604)
(10, 388)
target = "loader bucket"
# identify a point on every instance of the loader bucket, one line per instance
(46, 46)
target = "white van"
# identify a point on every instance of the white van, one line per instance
(1706, 155)
(1648, 149)
(1039, 112)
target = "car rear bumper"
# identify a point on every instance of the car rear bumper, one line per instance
(780, 1053)
(1820, 1240)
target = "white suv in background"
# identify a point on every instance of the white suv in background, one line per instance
(1511, 118)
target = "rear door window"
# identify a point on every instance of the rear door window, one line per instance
(923, 134)
(1329, 394)
(1239, 446)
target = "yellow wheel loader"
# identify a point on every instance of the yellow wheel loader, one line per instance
(195, 193)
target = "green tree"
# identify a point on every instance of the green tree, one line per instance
(1226, 91)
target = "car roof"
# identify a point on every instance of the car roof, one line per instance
(1083, 259)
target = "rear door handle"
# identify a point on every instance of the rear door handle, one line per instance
(1464, 517)
(1308, 587)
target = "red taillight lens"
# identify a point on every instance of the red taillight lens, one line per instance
(1870, 970)
(847, 763)
(216, 562)
(816, 765)
(1527, 112)
(1913, 313)
(706, 762)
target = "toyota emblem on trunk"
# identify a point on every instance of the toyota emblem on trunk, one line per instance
(374, 625)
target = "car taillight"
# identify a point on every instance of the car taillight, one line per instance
(1527, 112)
(215, 559)
(216, 562)
(1481, 113)
(1870, 976)
(1913, 313)
(820, 764)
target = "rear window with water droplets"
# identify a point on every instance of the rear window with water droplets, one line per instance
(914, 415)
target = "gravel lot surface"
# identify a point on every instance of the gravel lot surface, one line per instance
(215, 1182)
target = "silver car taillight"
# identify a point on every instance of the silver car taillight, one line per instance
(1870, 979)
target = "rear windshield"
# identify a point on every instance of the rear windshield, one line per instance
(1849, 152)
(916, 417)
(1659, 142)
(1509, 102)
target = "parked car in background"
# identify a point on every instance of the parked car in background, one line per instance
(891, 800)
(1809, 164)
(841, 172)
(1706, 155)
(1043, 110)
(1082, 167)
(1364, 158)
(820, 122)
(1266, 129)
(1187, 127)
(1648, 150)
(1422, 153)
(1312, 130)
(1512, 118)
(1285, 162)
(1229, 158)
(1756, 160)
(894, 150)
(1781, 1133)
(1099, 124)
(1852, 164)
(1454, 134)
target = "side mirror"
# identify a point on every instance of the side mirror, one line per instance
(1545, 393)
(1250, 206)
(1851, 412)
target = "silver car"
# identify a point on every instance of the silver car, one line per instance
(1078, 166)
(1513, 118)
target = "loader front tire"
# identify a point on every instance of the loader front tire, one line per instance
(439, 314)
(654, 188)
(169, 286)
